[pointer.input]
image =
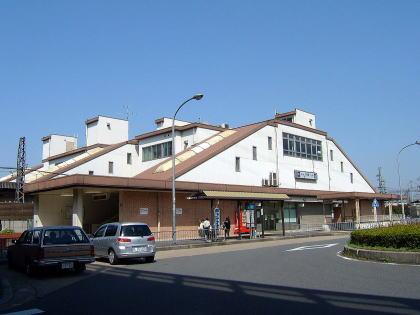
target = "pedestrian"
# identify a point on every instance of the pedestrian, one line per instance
(206, 227)
(226, 227)
(201, 228)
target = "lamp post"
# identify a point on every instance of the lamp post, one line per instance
(196, 97)
(399, 176)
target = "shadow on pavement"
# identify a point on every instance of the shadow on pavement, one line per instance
(124, 291)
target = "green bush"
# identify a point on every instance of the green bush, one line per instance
(397, 236)
(7, 231)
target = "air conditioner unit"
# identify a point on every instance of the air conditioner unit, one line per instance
(273, 179)
(265, 182)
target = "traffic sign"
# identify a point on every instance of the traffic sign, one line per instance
(375, 203)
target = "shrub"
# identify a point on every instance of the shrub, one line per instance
(7, 231)
(397, 236)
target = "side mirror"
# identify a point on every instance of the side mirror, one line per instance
(14, 241)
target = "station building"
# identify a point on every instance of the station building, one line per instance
(295, 172)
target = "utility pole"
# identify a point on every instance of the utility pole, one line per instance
(20, 171)
(381, 181)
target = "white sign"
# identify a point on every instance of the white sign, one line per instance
(216, 218)
(306, 175)
(311, 247)
(178, 211)
(375, 203)
(144, 211)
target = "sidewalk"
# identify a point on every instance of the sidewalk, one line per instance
(186, 244)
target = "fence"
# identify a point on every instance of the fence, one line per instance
(182, 236)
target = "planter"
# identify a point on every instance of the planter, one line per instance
(383, 256)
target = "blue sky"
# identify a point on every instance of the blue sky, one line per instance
(355, 64)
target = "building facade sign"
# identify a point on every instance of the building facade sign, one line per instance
(306, 175)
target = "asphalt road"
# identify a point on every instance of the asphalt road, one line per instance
(241, 279)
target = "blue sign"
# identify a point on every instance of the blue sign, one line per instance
(375, 203)
(216, 218)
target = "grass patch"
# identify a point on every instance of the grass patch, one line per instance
(396, 238)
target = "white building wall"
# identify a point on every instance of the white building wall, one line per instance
(304, 118)
(58, 144)
(221, 168)
(99, 132)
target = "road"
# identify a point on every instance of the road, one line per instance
(278, 277)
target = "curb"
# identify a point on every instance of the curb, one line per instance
(6, 291)
(234, 242)
(412, 258)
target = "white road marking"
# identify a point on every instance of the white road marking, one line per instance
(27, 312)
(311, 247)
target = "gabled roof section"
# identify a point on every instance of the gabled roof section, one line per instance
(291, 124)
(354, 164)
(178, 128)
(60, 169)
(75, 151)
(198, 154)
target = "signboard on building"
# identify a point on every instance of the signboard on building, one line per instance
(375, 203)
(144, 211)
(306, 175)
(216, 218)
(178, 211)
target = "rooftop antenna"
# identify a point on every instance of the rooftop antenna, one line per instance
(127, 112)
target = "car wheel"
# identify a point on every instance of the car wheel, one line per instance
(150, 259)
(80, 268)
(112, 257)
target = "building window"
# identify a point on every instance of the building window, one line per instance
(185, 144)
(254, 153)
(270, 143)
(111, 167)
(157, 151)
(129, 158)
(237, 164)
(108, 125)
(351, 178)
(90, 172)
(331, 155)
(302, 147)
(342, 167)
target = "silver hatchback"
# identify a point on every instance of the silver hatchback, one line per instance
(117, 241)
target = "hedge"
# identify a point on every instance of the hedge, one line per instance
(397, 236)
(7, 231)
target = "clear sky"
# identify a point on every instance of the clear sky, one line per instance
(355, 64)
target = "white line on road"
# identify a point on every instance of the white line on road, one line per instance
(311, 247)
(27, 312)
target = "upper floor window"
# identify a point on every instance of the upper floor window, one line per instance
(342, 167)
(331, 155)
(302, 147)
(129, 158)
(270, 143)
(254, 153)
(111, 167)
(351, 178)
(185, 144)
(157, 151)
(237, 164)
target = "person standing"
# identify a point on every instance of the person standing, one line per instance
(201, 228)
(226, 227)
(206, 227)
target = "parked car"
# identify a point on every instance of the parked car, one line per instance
(117, 241)
(62, 247)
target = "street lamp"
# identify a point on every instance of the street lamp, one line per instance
(196, 97)
(399, 176)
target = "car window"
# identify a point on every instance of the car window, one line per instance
(64, 236)
(36, 238)
(22, 237)
(28, 238)
(135, 230)
(100, 232)
(111, 230)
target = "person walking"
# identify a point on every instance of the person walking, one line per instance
(226, 227)
(201, 228)
(206, 227)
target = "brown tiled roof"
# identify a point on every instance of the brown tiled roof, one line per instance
(164, 185)
(281, 115)
(64, 169)
(201, 157)
(178, 128)
(27, 171)
(291, 124)
(78, 150)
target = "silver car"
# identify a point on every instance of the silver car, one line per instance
(117, 241)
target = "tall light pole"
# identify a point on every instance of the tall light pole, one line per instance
(399, 176)
(196, 97)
